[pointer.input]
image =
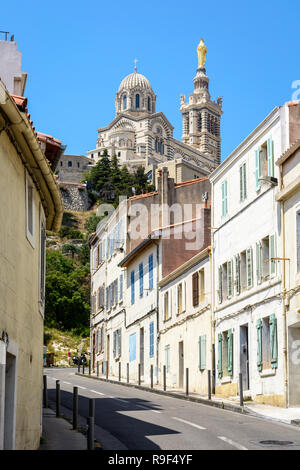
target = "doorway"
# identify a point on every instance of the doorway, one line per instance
(181, 364)
(244, 356)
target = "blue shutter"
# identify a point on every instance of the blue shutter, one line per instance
(132, 287)
(151, 272)
(141, 277)
(151, 353)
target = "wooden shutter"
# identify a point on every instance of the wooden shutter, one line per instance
(270, 153)
(195, 283)
(119, 342)
(220, 284)
(249, 267)
(272, 254)
(202, 352)
(230, 352)
(132, 287)
(237, 275)
(273, 341)
(176, 294)
(258, 262)
(229, 279)
(183, 296)
(115, 343)
(220, 368)
(151, 352)
(259, 344)
(257, 169)
(141, 278)
(150, 262)
(121, 287)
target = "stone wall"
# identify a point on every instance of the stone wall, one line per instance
(74, 196)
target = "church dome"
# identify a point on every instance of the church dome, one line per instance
(134, 80)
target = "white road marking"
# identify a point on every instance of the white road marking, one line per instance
(188, 422)
(68, 383)
(232, 443)
(119, 399)
(99, 393)
(146, 408)
(84, 388)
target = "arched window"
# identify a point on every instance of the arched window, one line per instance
(125, 102)
(137, 100)
(149, 103)
(129, 143)
(122, 143)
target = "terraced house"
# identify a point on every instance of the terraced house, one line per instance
(248, 262)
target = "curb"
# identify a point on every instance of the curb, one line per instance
(203, 401)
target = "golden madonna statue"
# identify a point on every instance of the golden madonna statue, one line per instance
(201, 51)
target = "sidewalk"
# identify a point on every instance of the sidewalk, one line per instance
(273, 413)
(58, 434)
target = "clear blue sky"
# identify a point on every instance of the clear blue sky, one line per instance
(77, 52)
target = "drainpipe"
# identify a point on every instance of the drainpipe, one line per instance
(285, 362)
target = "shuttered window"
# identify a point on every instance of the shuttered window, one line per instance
(202, 352)
(141, 279)
(273, 341)
(150, 262)
(270, 154)
(258, 263)
(237, 275)
(230, 352)
(243, 187)
(220, 290)
(151, 339)
(132, 347)
(257, 169)
(195, 286)
(272, 254)
(121, 287)
(220, 347)
(132, 287)
(259, 344)
(229, 279)
(249, 267)
(224, 198)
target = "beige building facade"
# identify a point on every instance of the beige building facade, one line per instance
(30, 205)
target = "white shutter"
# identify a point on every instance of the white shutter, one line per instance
(176, 298)
(272, 254)
(183, 296)
(249, 267)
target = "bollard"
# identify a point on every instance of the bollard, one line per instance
(209, 384)
(57, 398)
(97, 369)
(106, 370)
(164, 378)
(78, 367)
(45, 392)
(186, 381)
(90, 367)
(139, 373)
(119, 371)
(128, 372)
(75, 407)
(83, 368)
(151, 375)
(92, 407)
(241, 389)
(90, 433)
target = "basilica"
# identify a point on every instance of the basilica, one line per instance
(141, 136)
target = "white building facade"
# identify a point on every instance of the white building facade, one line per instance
(249, 332)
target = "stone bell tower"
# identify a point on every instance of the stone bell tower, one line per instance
(200, 115)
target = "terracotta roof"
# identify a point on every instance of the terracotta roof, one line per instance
(21, 102)
(140, 196)
(193, 181)
(292, 148)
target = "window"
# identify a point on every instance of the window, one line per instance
(224, 199)
(267, 347)
(243, 183)
(30, 211)
(151, 339)
(100, 300)
(202, 352)
(195, 284)
(141, 279)
(125, 102)
(117, 343)
(167, 313)
(167, 358)
(61, 163)
(132, 347)
(266, 253)
(137, 100)
(42, 260)
(150, 262)
(121, 288)
(132, 287)
(225, 353)
(149, 103)
(264, 161)
(69, 163)
(179, 298)
(78, 164)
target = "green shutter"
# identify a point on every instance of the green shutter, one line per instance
(230, 352)
(273, 341)
(237, 274)
(223, 200)
(220, 369)
(241, 183)
(220, 284)
(272, 254)
(226, 197)
(270, 152)
(259, 344)
(202, 352)
(249, 268)
(229, 279)
(257, 169)
(258, 262)
(243, 190)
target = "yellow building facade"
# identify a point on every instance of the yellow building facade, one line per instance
(30, 204)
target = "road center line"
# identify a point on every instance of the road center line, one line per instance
(68, 383)
(79, 386)
(232, 443)
(188, 422)
(99, 393)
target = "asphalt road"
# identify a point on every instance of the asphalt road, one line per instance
(138, 420)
